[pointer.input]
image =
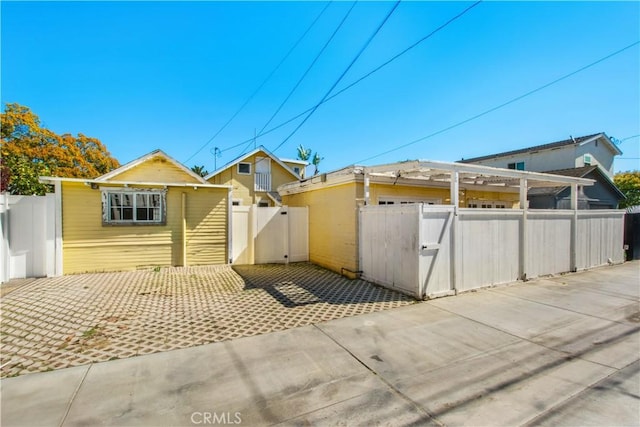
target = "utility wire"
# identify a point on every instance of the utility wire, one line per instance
(511, 101)
(255, 92)
(384, 21)
(384, 64)
(309, 67)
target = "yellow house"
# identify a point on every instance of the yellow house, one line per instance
(255, 177)
(151, 212)
(333, 199)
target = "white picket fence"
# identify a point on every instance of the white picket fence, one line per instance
(430, 251)
(264, 235)
(29, 244)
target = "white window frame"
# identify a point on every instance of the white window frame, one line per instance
(133, 192)
(515, 166)
(399, 200)
(587, 159)
(244, 173)
(488, 204)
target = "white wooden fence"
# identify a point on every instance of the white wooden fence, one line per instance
(430, 251)
(270, 235)
(29, 238)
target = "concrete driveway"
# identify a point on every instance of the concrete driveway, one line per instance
(559, 352)
(75, 320)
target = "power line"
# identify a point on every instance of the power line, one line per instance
(629, 137)
(309, 67)
(255, 92)
(384, 21)
(511, 101)
(341, 91)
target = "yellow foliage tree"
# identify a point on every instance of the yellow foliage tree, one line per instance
(28, 150)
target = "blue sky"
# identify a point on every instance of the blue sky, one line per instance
(147, 75)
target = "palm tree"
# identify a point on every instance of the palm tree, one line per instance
(303, 153)
(200, 170)
(315, 162)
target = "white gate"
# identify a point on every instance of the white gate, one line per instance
(270, 235)
(28, 236)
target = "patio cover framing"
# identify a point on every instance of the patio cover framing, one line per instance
(460, 175)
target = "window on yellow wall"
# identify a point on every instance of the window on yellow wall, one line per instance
(244, 168)
(133, 207)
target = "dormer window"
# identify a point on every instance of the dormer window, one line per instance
(244, 168)
(586, 159)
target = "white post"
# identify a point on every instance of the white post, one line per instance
(523, 229)
(4, 239)
(574, 228)
(57, 188)
(229, 226)
(253, 233)
(455, 259)
(286, 245)
(366, 189)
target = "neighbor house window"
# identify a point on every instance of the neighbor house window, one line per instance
(516, 165)
(487, 204)
(398, 200)
(244, 168)
(139, 207)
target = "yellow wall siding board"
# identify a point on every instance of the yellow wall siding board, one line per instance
(156, 169)
(89, 246)
(380, 190)
(332, 224)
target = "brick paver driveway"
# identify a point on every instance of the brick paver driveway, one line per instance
(74, 320)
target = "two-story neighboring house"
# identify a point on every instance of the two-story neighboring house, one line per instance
(590, 156)
(255, 177)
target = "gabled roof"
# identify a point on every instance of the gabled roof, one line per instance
(246, 156)
(581, 172)
(571, 141)
(155, 153)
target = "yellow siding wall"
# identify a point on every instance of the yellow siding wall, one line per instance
(154, 170)
(512, 199)
(380, 190)
(333, 229)
(243, 185)
(88, 246)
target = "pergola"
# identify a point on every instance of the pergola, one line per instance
(461, 175)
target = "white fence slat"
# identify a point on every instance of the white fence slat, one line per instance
(489, 241)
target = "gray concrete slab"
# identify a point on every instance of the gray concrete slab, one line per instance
(580, 299)
(613, 401)
(609, 343)
(265, 380)
(414, 339)
(39, 399)
(517, 316)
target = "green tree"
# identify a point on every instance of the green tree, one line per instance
(305, 154)
(29, 150)
(200, 170)
(629, 184)
(315, 162)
